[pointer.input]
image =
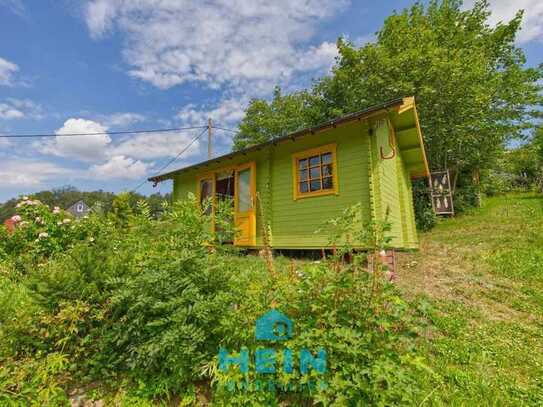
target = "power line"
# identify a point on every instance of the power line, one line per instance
(225, 129)
(175, 158)
(100, 133)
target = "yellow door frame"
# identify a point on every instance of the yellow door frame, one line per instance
(245, 222)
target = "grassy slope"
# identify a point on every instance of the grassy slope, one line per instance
(482, 277)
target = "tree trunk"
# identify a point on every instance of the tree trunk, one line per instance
(476, 179)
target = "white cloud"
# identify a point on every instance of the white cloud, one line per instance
(126, 158)
(84, 148)
(149, 146)
(7, 71)
(99, 16)
(28, 108)
(247, 45)
(505, 10)
(10, 112)
(20, 108)
(227, 112)
(120, 166)
(123, 119)
(21, 173)
(319, 57)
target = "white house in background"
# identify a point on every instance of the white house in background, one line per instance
(79, 209)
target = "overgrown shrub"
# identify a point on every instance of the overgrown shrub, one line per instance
(357, 317)
(425, 217)
(496, 182)
(39, 233)
(143, 306)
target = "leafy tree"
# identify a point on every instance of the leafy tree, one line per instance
(473, 92)
(283, 114)
(537, 142)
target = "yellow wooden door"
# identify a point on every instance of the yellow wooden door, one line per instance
(245, 205)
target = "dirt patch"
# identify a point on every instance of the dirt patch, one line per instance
(446, 272)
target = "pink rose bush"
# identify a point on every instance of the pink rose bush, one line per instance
(39, 231)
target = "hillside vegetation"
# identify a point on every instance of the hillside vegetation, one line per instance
(127, 310)
(481, 275)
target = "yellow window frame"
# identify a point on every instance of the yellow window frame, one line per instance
(305, 154)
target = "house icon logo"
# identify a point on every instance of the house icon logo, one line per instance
(273, 326)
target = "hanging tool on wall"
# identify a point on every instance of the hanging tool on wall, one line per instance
(391, 143)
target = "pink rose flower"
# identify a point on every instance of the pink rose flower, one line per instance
(16, 218)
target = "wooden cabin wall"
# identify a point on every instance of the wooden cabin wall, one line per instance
(391, 192)
(363, 177)
(295, 222)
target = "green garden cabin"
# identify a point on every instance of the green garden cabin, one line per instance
(295, 183)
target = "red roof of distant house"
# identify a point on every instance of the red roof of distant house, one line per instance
(10, 225)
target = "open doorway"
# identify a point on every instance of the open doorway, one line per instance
(224, 196)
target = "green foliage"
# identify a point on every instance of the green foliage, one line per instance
(365, 335)
(497, 182)
(66, 196)
(148, 303)
(357, 316)
(425, 216)
(34, 382)
(138, 312)
(38, 234)
(518, 169)
(264, 121)
(473, 91)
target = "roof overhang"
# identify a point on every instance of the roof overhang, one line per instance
(403, 112)
(409, 138)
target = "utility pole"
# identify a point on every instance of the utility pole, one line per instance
(209, 145)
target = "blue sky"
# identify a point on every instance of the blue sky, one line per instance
(111, 65)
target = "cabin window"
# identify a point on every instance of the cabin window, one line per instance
(315, 172)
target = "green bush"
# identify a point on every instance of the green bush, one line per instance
(356, 316)
(142, 307)
(138, 298)
(496, 182)
(364, 331)
(38, 234)
(425, 217)
(466, 197)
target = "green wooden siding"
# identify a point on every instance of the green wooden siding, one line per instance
(363, 178)
(386, 189)
(295, 222)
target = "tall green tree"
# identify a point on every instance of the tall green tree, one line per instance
(472, 89)
(283, 114)
(470, 82)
